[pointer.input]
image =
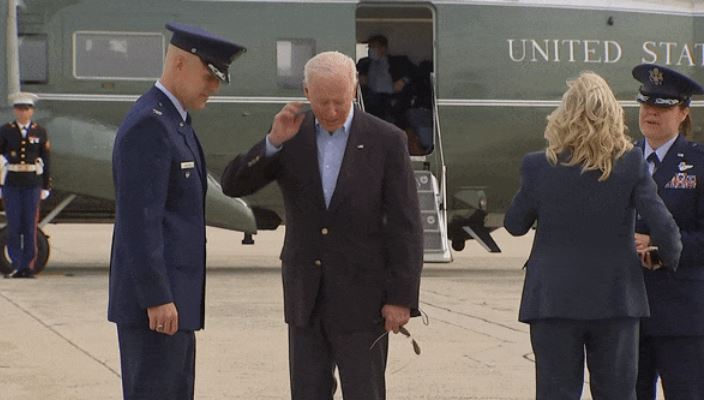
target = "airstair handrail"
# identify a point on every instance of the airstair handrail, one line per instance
(440, 154)
(360, 97)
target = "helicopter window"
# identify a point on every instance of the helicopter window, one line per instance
(291, 57)
(118, 55)
(33, 58)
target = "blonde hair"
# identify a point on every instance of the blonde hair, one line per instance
(330, 63)
(588, 126)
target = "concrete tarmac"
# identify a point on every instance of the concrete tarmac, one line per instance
(55, 341)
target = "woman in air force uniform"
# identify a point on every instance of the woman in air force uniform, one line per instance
(671, 339)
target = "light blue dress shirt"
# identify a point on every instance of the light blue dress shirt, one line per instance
(660, 151)
(330, 153)
(173, 99)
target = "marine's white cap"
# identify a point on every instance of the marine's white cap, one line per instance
(23, 98)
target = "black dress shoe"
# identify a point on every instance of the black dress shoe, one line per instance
(20, 273)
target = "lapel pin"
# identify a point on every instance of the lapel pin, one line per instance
(156, 112)
(360, 146)
(679, 154)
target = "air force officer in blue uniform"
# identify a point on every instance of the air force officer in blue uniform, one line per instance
(584, 291)
(157, 275)
(671, 341)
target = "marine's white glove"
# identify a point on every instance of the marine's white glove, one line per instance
(44, 195)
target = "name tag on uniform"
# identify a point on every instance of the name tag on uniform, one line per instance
(682, 181)
(33, 139)
(187, 164)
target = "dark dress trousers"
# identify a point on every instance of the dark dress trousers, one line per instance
(341, 264)
(584, 272)
(158, 253)
(671, 343)
(21, 189)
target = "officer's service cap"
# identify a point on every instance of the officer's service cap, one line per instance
(664, 87)
(23, 99)
(216, 53)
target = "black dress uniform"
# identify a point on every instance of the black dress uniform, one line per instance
(671, 339)
(24, 176)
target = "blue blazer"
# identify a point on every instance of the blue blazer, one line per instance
(676, 297)
(583, 264)
(158, 253)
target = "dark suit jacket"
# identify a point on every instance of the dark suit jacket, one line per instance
(676, 297)
(584, 264)
(158, 253)
(362, 252)
(19, 150)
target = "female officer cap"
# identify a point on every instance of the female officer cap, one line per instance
(664, 87)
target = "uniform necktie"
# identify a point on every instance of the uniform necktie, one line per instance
(654, 159)
(24, 131)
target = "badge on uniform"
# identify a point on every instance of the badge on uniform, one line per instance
(682, 181)
(683, 166)
(188, 166)
(33, 139)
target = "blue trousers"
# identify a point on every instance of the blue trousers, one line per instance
(155, 366)
(679, 362)
(560, 347)
(22, 212)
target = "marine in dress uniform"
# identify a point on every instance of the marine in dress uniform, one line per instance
(25, 181)
(157, 275)
(671, 339)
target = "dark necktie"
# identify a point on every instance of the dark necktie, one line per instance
(654, 159)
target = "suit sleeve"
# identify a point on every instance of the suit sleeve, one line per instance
(522, 213)
(248, 173)
(142, 164)
(403, 227)
(664, 231)
(44, 153)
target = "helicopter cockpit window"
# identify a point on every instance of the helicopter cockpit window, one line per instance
(291, 57)
(118, 55)
(33, 58)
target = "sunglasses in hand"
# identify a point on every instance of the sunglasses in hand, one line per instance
(406, 333)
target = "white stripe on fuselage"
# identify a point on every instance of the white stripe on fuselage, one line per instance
(670, 7)
(282, 100)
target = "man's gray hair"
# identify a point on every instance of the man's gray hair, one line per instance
(330, 63)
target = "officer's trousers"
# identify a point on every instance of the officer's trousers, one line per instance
(155, 366)
(22, 213)
(679, 362)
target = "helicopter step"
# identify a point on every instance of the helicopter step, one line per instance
(435, 243)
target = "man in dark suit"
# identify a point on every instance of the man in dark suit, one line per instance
(157, 275)
(25, 180)
(386, 82)
(671, 341)
(352, 255)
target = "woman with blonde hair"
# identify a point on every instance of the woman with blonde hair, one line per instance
(584, 292)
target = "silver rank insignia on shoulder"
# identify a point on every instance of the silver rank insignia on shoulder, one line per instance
(156, 111)
(683, 166)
